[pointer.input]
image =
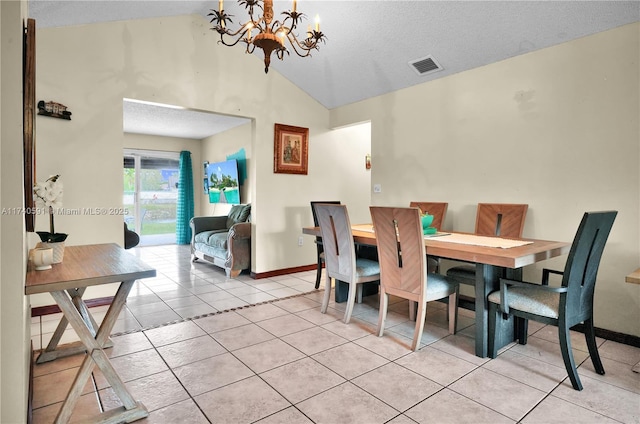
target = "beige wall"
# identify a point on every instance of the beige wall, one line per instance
(549, 128)
(177, 61)
(130, 141)
(14, 310)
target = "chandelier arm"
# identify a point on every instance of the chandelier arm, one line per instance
(242, 30)
(297, 47)
(270, 33)
(305, 46)
(277, 24)
(230, 34)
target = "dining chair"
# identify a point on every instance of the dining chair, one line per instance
(437, 209)
(563, 306)
(439, 212)
(403, 268)
(319, 249)
(341, 262)
(492, 219)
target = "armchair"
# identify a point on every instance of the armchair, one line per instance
(564, 306)
(224, 241)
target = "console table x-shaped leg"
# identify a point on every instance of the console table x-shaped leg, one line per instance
(93, 342)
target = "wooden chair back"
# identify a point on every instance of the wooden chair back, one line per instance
(437, 209)
(337, 240)
(401, 251)
(501, 219)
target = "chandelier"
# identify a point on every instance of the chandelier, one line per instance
(271, 34)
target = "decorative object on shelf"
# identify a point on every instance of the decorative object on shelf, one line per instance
(42, 258)
(48, 195)
(367, 161)
(271, 34)
(54, 110)
(291, 150)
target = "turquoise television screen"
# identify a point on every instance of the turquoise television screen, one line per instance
(221, 182)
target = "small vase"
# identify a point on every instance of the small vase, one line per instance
(426, 222)
(58, 250)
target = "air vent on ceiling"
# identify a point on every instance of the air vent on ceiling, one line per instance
(425, 65)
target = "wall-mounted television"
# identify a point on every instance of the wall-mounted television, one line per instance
(221, 182)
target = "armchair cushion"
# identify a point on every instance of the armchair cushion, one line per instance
(218, 240)
(204, 236)
(238, 213)
(538, 302)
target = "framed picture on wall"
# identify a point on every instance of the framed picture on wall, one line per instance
(291, 150)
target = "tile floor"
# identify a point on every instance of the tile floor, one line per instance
(282, 361)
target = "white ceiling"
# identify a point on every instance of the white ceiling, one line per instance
(172, 121)
(370, 43)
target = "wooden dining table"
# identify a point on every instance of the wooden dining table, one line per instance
(492, 263)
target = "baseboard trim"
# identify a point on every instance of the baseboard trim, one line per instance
(283, 271)
(614, 336)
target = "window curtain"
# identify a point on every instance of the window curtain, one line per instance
(184, 209)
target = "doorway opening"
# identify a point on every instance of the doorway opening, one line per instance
(150, 194)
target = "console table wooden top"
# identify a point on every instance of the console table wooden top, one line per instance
(87, 265)
(634, 277)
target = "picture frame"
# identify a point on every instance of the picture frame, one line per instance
(291, 150)
(28, 117)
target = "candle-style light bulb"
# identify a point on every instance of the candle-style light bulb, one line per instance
(309, 33)
(317, 23)
(294, 5)
(220, 5)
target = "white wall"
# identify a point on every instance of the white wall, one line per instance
(548, 128)
(14, 310)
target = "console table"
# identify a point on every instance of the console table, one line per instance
(85, 266)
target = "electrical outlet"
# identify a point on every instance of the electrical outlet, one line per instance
(377, 188)
(300, 241)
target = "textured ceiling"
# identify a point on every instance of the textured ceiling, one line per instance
(370, 43)
(171, 121)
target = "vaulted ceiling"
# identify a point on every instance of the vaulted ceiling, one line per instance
(371, 43)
